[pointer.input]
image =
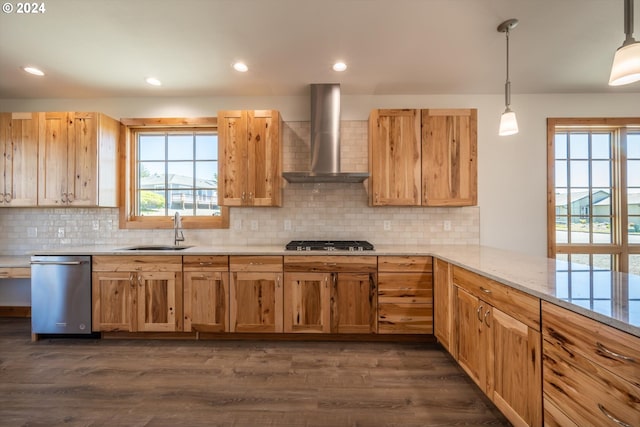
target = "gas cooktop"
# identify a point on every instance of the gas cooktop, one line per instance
(329, 245)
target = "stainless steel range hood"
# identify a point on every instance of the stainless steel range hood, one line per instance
(325, 140)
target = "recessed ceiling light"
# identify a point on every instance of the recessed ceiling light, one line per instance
(241, 67)
(34, 71)
(153, 81)
(339, 66)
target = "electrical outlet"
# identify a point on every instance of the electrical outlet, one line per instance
(96, 225)
(32, 231)
(254, 225)
(287, 225)
(61, 232)
(447, 226)
(386, 225)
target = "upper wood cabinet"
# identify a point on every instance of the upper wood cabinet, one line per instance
(78, 155)
(423, 157)
(249, 144)
(449, 157)
(19, 161)
(394, 158)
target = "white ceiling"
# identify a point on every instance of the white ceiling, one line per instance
(106, 48)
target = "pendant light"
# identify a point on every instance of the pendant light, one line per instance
(626, 62)
(508, 121)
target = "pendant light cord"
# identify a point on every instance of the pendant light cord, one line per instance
(628, 22)
(507, 85)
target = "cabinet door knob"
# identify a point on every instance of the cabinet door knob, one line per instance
(478, 314)
(486, 322)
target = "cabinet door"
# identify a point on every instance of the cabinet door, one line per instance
(82, 170)
(473, 345)
(206, 296)
(19, 162)
(307, 306)
(394, 158)
(449, 157)
(53, 157)
(233, 155)
(444, 305)
(256, 302)
(354, 303)
(264, 167)
(113, 298)
(517, 369)
(159, 300)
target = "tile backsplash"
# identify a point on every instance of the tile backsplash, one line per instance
(311, 211)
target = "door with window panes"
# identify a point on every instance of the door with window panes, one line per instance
(594, 210)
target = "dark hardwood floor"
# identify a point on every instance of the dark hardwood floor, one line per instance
(90, 382)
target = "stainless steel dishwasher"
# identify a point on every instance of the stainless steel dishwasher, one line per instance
(61, 294)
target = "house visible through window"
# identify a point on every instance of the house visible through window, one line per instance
(172, 166)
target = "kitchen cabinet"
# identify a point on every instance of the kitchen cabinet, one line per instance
(394, 157)
(423, 157)
(582, 355)
(206, 293)
(330, 294)
(250, 153)
(77, 163)
(256, 295)
(499, 344)
(444, 300)
(405, 295)
(449, 157)
(137, 293)
(19, 162)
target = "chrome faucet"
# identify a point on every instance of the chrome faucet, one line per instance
(177, 229)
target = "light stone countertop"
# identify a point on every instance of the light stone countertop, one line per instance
(615, 300)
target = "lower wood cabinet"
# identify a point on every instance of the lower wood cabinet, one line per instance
(137, 293)
(206, 293)
(443, 295)
(499, 344)
(405, 295)
(256, 295)
(330, 294)
(591, 371)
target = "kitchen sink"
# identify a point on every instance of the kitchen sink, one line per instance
(155, 248)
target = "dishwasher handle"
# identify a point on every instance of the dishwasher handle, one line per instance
(58, 262)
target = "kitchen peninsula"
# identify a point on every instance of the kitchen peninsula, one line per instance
(538, 309)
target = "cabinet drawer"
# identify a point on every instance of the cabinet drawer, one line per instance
(405, 264)
(157, 263)
(330, 264)
(255, 263)
(205, 263)
(615, 350)
(405, 288)
(586, 392)
(554, 417)
(15, 273)
(517, 304)
(405, 318)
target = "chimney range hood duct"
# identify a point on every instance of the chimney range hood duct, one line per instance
(325, 140)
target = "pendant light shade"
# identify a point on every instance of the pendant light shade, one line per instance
(626, 62)
(508, 121)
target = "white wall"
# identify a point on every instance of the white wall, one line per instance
(512, 170)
